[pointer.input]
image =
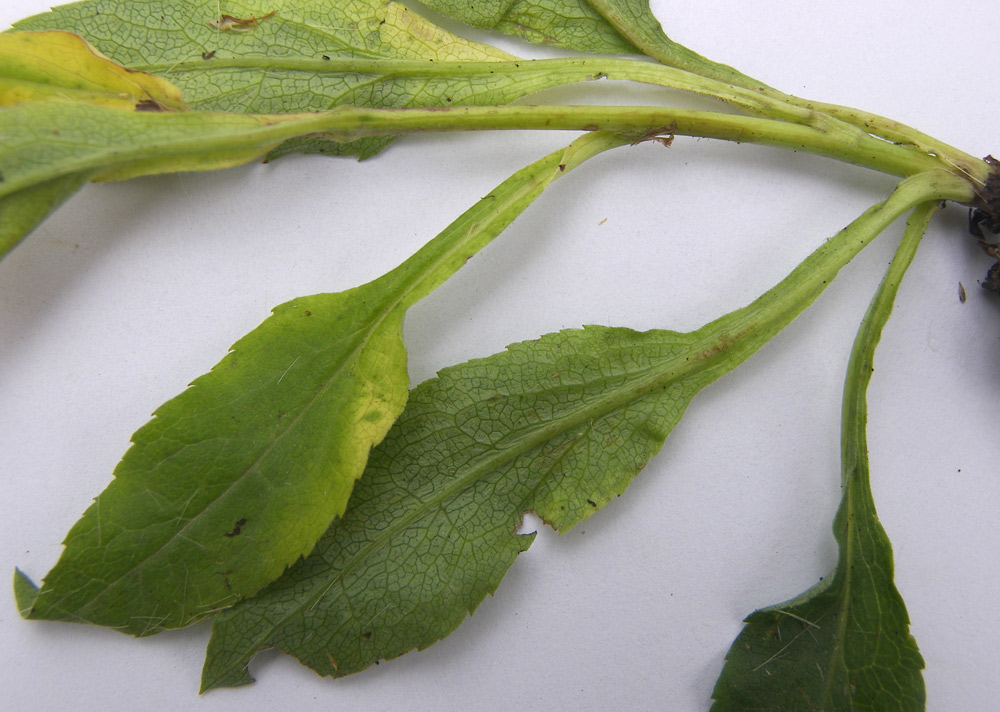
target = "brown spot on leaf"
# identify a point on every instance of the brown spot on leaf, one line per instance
(148, 105)
(208, 55)
(237, 528)
(238, 24)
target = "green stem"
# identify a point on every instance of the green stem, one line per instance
(859, 371)
(436, 261)
(776, 308)
(896, 132)
(642, 123)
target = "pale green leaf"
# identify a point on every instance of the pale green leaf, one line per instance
(636, 22)
(844, 644)
(558, 426)
(572, 24)
(239, 475)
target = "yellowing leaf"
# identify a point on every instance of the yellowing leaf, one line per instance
(38, 66)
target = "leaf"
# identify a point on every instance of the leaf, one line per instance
(636, 22)
(23, 210)
(288, 60)
(559, 426)
(845, 643)
(58, 65)
(239, 475)
(572, 24)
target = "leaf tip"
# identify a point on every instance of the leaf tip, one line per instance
(211, 677)
(25, 593)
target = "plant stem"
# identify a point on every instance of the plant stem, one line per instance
(436, 261)
(641, 123)
(766, 316)
(854, 410)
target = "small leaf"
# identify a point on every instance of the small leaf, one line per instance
(572, 24)
(239, 475)
(560, 426)
(845, 643)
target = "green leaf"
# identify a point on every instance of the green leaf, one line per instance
(23, 210)
(636, 22)
(558, 426)
(572, 24)
(845, 643)
(239, 475)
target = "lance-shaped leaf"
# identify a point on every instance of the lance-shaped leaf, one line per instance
(573, 24)
(845, 643)
(239, 475)
(559, 426)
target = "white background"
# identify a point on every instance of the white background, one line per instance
(132, 290)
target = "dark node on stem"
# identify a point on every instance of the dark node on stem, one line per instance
(985, 217)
